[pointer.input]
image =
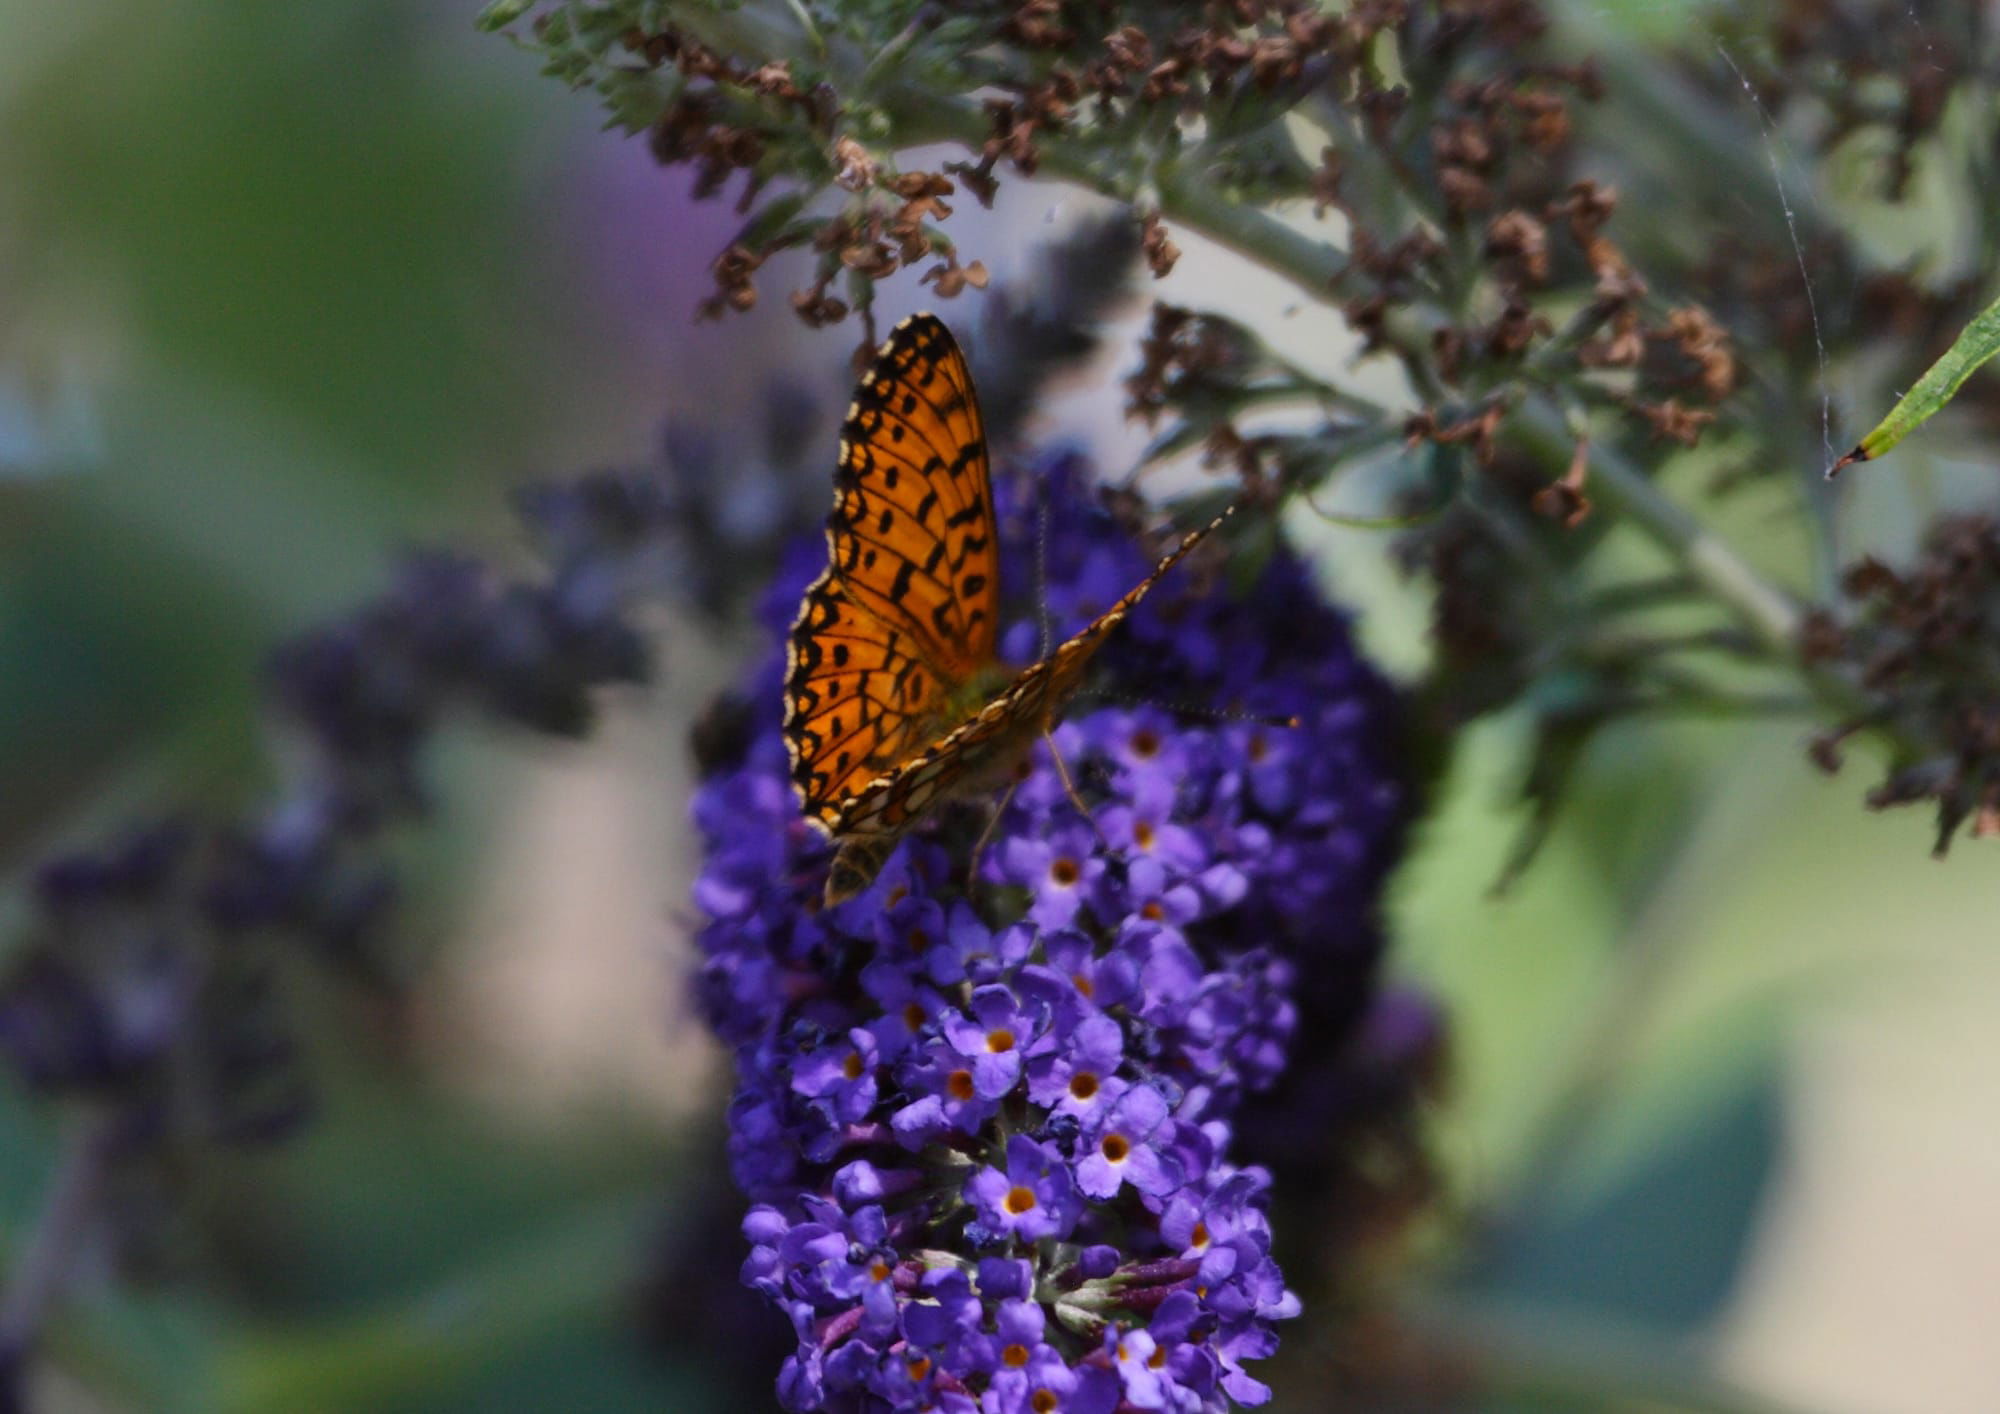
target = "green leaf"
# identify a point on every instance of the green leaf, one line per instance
(1940, 383)
(500, 13)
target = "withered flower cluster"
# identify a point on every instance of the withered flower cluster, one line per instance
(1922, 643)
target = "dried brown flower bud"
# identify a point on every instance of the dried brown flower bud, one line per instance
(1159, 249)
(951, 278)
(1586, 207)
(1521, 240)
(1671, 422)
(1517, 327)
(817, 308)
(1563, 499)
(1625, 346)
(1694, 331)
(914, 186)
(1464, 191)
(853, 168)
(1479, 429)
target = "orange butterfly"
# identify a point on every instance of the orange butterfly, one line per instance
(894, 698)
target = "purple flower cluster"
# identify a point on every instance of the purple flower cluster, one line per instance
(988, 1126)
(154, 944)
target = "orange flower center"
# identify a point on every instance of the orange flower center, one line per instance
(853, 1066)
(1116, 1147)
(1045, 1402)
(999, 1041)
(1082, 1085)
(1199, 1237)
(1065, 872)
(1145, 742)
(959, 1083)
(1014, 1356)
(1142, 835)
(1020, 1200)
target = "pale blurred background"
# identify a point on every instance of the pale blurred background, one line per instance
(285, 289)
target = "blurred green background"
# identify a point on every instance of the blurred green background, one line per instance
(284, 289)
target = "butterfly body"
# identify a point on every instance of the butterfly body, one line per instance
(894, 699)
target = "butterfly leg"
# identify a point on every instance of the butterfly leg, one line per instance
(986, 835)
(1069, 785)
(855, 865)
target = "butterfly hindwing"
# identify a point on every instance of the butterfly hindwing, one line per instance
(857, 699)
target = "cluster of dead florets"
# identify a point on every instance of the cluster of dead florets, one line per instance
(1883, 67)
(1208, 369)
(1924, 644)
(1190, 59)
(1540, 297)
(727, 116)
(1054, 77)
(1182, 354)
(885, 228)
(1856, 92)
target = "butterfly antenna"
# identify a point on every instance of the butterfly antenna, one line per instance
(1193, 709)
(1069, 786)
(992, 821)
(1042, 568)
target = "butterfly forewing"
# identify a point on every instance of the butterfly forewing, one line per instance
(911, 534)
(907, 609)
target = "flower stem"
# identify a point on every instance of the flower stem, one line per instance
(46, 1260)
(1711, 561)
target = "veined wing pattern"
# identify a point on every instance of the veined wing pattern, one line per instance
(906, 616)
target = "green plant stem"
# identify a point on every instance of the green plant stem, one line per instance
(44, 1262)
(1186, 196)
(1710, 560)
